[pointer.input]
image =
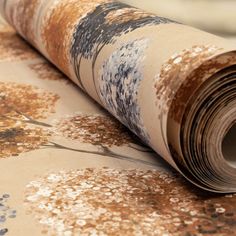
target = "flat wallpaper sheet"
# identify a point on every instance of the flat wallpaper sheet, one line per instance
(70, 168)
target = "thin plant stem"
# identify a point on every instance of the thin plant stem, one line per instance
(106, 152)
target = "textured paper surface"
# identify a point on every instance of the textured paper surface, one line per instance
(51, 132)
(151, 73)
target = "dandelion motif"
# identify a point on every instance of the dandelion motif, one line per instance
(103, 26)
(104, 132)
(58, 28)
(119, 84)
(95, 129)
(17, 140)
(174, 72)
(20, 131)
(114, 202)
(25, 102)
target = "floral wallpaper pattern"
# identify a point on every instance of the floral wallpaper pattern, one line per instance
(132, 202)
(70, 168)
(119, 84)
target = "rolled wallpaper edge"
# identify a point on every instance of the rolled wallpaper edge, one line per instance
(168, 83)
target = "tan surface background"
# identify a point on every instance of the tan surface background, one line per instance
(211, 15)
(28, 167)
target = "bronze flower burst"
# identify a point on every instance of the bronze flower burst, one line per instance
(20, 107)
(95, 129)
(127, 202)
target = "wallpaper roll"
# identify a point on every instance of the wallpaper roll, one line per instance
(172, 85)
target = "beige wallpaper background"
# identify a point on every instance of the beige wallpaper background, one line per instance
(68, 168)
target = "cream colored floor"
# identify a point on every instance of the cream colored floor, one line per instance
(219, 20)
(217, 15)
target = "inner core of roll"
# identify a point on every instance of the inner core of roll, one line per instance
(229, 146)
